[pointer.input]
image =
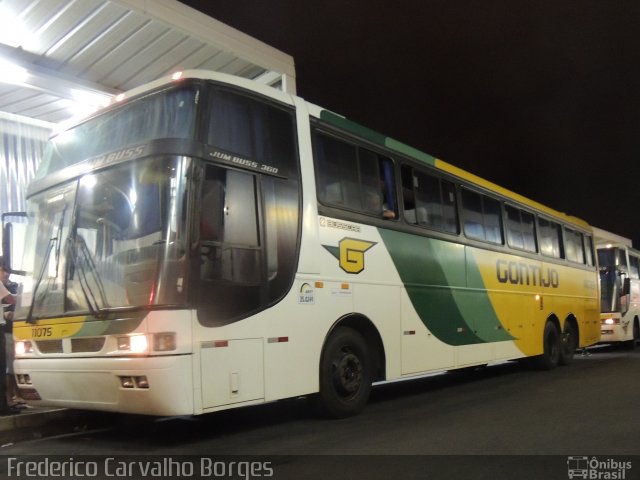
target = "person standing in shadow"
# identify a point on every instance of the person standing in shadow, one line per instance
(8, 303)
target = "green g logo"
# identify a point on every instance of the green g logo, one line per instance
(350, 253)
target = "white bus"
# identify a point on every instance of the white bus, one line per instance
(620, 293)
(209, 242)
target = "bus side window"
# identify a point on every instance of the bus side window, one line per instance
(634, 267)
(482, 217)
(574, 246)
(428, 200)
(550, 238)
(229, 227)
(337, 172)
(521, 231)
(388, 185)
(229, 276)
(354, 178)
(211, 221)
(588, 250)
(408, 195)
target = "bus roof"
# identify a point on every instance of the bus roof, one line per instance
(603, 237)
(356, 129)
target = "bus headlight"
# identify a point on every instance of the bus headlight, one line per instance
(23, 347)
(611, 321)
(164, 342)
(133, 343)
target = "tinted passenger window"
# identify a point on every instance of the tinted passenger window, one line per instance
(247, 222)
(634, 267)
(252, 130)
(428, 200)
(521, 232)
(482, 217)
(574, 246)
(588, 249)
(242, 267)
(550, 238)
(354, 178)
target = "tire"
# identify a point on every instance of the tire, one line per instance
(551, 348)
(633, 343)
(568, 344)
(345, 374)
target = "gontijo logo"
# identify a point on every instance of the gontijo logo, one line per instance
(350, 253)
(519, 273)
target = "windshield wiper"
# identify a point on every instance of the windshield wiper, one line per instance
(45, 264)
(82, 259)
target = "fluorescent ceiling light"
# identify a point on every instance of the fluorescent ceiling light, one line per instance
(80, 110)
(12, 31)
(12, 73)
(92, 99)
(85, 103)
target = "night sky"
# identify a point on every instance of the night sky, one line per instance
(541, 97)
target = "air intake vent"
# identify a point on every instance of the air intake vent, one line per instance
(84, 345)
(49, 346)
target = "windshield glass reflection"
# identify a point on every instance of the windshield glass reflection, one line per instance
(613, 266)
(123, 247)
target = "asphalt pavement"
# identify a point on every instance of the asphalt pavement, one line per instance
(501, 422)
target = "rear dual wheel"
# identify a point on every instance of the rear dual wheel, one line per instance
(568, 344)
(550, 357)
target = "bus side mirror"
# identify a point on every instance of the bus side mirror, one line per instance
(626, 286)
(10, 261)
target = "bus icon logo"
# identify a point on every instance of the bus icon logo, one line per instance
(596, 469)
(578, 467)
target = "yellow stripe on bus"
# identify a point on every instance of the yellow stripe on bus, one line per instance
(525, 293)
(458, 172)
(49, 329)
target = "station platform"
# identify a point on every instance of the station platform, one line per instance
(39, 422)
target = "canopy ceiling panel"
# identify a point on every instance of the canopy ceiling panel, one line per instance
(81, 52)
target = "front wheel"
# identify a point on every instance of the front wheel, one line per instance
(345, 374)
(551, 348)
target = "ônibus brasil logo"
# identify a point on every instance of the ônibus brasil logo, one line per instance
(592, 468)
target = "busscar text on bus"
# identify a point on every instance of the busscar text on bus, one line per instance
(210, 242)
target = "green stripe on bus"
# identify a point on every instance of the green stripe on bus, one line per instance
(434, 274)
(479, 307)
(364, 132)
(419, 262)
(410, 151)
(352, 127)
(110, 327)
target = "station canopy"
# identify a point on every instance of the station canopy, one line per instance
(61, 59)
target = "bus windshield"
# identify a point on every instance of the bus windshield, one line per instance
(110, 239)
(613, 264)
(167, 114)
